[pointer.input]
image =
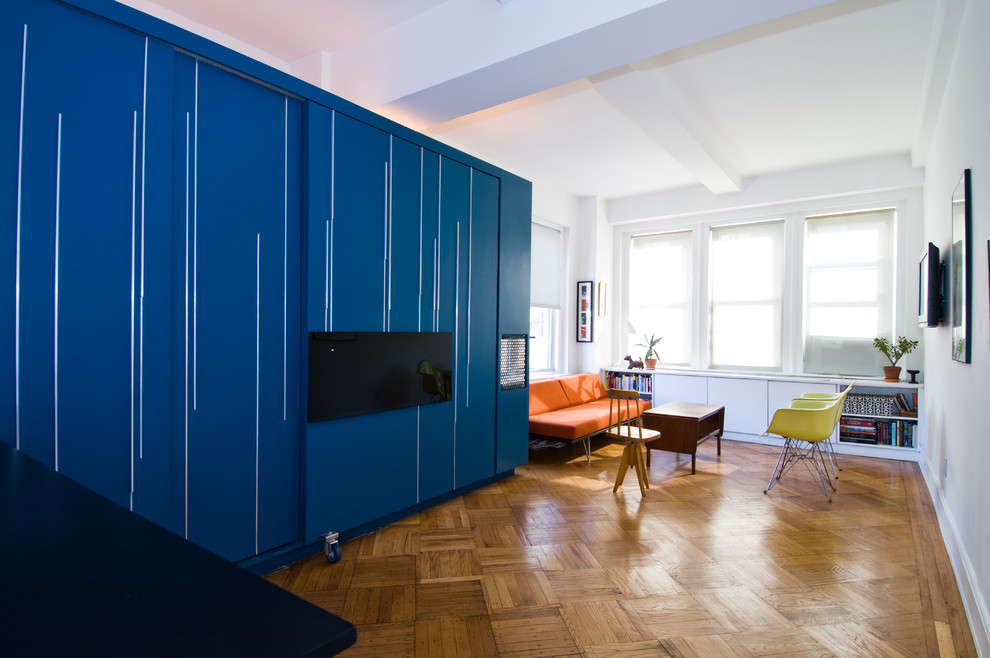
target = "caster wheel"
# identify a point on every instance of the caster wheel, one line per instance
(333, 553)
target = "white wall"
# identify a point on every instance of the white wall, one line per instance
(958, 453)
(588, 257)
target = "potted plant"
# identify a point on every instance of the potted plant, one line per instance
(894, 352)
(650, 359)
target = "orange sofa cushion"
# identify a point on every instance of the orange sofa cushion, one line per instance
(573, 422)
(546, 395)
(584, 387)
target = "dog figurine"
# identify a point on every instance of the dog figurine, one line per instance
(638, 363)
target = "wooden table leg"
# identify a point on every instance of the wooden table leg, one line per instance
(623, 467)
(644, 483)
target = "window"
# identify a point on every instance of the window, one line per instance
(660, 293)
(546, 276)
(746, 291)
(848, 290)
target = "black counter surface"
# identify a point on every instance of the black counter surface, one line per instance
(82, 576)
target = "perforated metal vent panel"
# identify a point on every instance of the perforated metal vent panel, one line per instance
(513, 360)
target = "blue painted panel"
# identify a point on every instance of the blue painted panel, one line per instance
(436, 450)
(476, 418)
(183, 185)
(514, 266)
(359, 469)
(82, 95)
(357, 285)
(454, 201)
(429, 239)
(436, 436)
(244, 353)
(317, 188)
(279, 441)
(153, 347)
(11, 38)
(405, 220)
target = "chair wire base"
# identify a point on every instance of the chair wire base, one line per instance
(792, 453)
(832, 459)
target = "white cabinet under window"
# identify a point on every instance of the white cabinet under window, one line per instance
(745, 402)
(751, 400)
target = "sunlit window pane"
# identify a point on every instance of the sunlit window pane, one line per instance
(843, 322)
(740, 336)
(542, 338)
(849, 285)
(747, 295)
(849, 288)
(661, 293)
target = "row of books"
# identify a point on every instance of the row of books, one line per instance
(627, 382)
(881, 405)
(899, 433)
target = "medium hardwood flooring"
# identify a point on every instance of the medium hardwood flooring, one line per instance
(550, 562)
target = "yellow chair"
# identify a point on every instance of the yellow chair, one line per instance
(625, 424)
(841, 398)
(804, 426)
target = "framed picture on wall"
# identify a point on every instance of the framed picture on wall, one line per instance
(961, 263)
(585, 311)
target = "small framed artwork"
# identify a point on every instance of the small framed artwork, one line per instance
(602, 297)
(585, 311)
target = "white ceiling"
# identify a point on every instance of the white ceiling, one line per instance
(619, 98)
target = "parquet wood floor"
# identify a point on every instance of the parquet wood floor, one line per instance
(550, 562)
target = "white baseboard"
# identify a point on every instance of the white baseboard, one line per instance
(974, 601)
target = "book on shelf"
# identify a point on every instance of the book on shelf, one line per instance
(897, 433)
(629, 382)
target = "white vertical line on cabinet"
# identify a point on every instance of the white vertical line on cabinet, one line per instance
(419, 307)
(386, 293)
(134, 282)
(434, 316)
(470, 269)
(185, 361)
(257, 379)
(417, 451)
(436, 261)
(195, 243)
(326, 283)
(58, 211)
(389, 174)
(17, 255)
(285, 262)
(328, 311)
(144, 141)
(457, 326)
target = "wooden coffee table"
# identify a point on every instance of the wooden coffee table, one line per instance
(683, 426)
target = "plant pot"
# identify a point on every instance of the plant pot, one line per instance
(891, 373)
(650, 363)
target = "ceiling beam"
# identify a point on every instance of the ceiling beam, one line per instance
(644, 97)
(489, 57)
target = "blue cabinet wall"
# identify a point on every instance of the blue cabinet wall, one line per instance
(239, 296)
(173, 224)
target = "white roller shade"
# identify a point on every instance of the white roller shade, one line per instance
(546, 259)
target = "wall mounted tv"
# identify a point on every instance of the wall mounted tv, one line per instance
(356, 373)
(930, 287)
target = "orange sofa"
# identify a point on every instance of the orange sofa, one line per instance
(572, 408)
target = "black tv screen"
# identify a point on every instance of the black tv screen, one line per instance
(930, 287)
(356, 373)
